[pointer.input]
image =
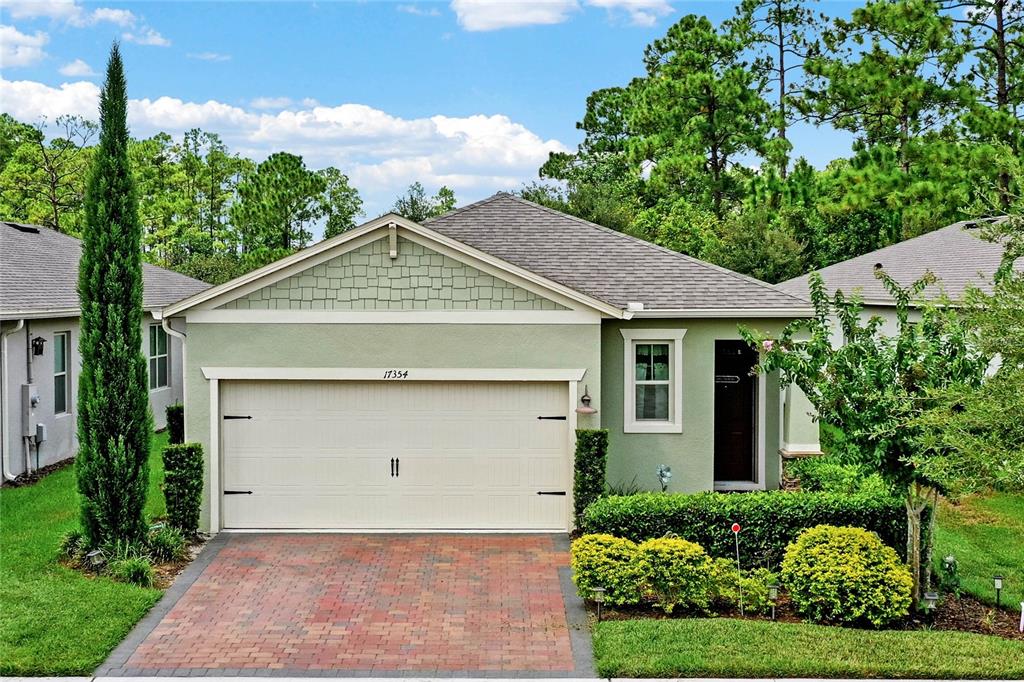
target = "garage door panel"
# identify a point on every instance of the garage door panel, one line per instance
(472, 455)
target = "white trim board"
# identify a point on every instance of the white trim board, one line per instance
(393, 316)
(381, 374)
(696, 313)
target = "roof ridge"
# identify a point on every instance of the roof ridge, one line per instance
(455, 211)
(650, 245)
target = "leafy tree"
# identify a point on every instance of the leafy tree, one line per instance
(696, 113)
(680, 226)
(114, 422)
(874, 387)
(342, 203)
(278, 204)
(762, 244)
(417, 206)
(13, 134)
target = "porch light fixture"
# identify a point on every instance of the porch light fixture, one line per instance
(37, 345)
(931, 600)
(997, 581)
(585, 408)
(95, 557)
(773, 596)
(597, 594)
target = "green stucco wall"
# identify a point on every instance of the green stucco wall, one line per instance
(367, 278)
(636, 456)
(381, 345)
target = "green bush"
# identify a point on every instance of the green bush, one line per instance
(770, 520)
(183, 486)
(167, 544)
(135, 570)
(72, 545)
(826, 474)
(608, 562)
(676, 573)
(727, 584)
(846, 575)
(176, 423)
(591, 457)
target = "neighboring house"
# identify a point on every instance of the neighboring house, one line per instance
(955, 254)
(39, 357)
(407, 376)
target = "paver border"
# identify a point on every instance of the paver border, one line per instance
(575, 618)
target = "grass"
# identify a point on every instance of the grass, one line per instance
(54, 620)
(986, 534)
(713, 647)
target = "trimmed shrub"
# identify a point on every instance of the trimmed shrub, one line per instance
(727, 583)
(846, 575)
(135, 570)
(608, 562)
(591, 458)
(826, 474)
(176, 423)
(676, 573)
(183, 486)
(770, 520)
(167, 544)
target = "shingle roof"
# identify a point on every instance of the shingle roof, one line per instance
(955, 254)
(39, 273)
(600, 262)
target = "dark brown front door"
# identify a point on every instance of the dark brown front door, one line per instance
(735, 409)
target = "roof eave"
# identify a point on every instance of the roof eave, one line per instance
(795, 312)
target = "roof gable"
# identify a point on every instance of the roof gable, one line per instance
(368, 277)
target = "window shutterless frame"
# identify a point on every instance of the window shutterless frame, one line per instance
(62, 372)
(158, 357)
(652, 380)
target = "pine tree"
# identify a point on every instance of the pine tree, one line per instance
(114, 423)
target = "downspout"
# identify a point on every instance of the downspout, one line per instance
(4, 421)
(166, 325)
(26, 441)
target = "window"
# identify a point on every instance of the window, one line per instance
(653, 380)
(157, 357)
(61, 374)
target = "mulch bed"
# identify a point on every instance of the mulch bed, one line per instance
(39, 474)
(963, 614)
(166, 573)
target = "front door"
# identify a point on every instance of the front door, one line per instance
(735, 412)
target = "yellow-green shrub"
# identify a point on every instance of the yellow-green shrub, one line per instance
(725, 591)
(846, 575)
(676, 572)
(609, 562)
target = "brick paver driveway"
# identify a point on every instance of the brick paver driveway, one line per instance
(359, 605)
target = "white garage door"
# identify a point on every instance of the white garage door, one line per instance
(404, 455)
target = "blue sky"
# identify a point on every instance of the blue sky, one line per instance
(468, 93)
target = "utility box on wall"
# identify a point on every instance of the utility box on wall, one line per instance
(29, 402)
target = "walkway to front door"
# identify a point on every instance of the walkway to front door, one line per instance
(359, 605)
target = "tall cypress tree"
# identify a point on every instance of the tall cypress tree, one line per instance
(114, 423)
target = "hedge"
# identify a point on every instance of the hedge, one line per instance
(176, 423)
(591, 458)
(183, 486)
(769, 520)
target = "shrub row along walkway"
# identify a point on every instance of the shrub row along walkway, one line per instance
(351, 605)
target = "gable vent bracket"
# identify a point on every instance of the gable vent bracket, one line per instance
(392, 240)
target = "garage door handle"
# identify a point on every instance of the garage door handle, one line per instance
(392, 467)
(238, 492)
(561, 418)
(551, 492)
(238, 416)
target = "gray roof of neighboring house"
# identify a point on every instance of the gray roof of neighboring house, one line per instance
(602, 263)
(39, 274)
(956, 254)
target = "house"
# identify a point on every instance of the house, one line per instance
(431, 376)
(39, 357)
(955, 254)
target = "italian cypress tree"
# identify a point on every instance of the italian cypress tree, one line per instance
(114, 423)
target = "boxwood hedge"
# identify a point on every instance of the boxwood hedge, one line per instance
(769, 520)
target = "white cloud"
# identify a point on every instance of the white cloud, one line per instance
(77, 68)
(271, 102)
(68, 11)
(147, 36)
(209, 56)
(419, 10)
(382, 153)
(21, 49)
(492, 15)
(640, 12)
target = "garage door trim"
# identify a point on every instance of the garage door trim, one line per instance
(571, 377)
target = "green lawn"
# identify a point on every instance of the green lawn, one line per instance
(722, 647)
(986, 534)
(54, 620)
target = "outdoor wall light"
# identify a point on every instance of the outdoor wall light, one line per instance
(773, 596)
(585, 408)
(998, 583)
(37, 345)
(931, 600)
(95, 557)
(597, 594)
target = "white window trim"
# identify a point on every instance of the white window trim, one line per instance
(166, 354)
(674, 337)
(66, 374)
